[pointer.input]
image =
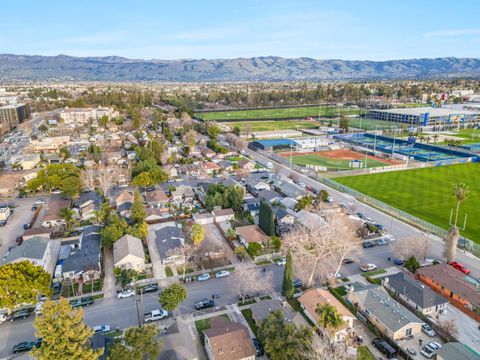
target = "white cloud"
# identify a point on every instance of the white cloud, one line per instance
(451, 33)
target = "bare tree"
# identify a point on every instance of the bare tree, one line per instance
(247, 130)
(321, 349)
(448, 328)
(321, 249)
(106, 178)
(412, 246)
(451, 241)
(252, 282)
(88, 177)
(189, 252)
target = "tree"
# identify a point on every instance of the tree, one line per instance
(172, 296)
(138, 208)
(320, 250)
(115, 229)
(461, 192)
(323, 195)
(275, 242)
(197, 234)
(68, 215)
(266, 220)
(63, 333)
(283, 340)
(231, 234)
(253, 249)
(248, 282)
(412, 264)
(190, 139)
(213, 131)
(22, 283)
(241, 251)
(125, 277)
(144, 179)
(236, 130)
(450, 247)
(321, 349)
(103, 121)
(329, 318)
(71, 186)
(43, 128)
(287, 285)
(106, 179)
(343, 124)
(137, 343)
(304, 203)
(88, 177)
(65, 153)
(411, 246)
(448, 328)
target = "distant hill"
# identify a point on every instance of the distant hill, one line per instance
(270, 68)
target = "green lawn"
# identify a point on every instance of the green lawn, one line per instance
(469, 136)
(292, 112)
(247, 314)
(274, 125)
(374, 272)
(337, 164)
(364, 123)
(426, 193)
(202, 325)
(363, 353)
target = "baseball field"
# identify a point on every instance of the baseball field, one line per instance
(426, 193)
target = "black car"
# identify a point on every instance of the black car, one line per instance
(3, 222)
(258, 347)
(360, 215)
(19, 240)
(297, 283)
(148, 289)
(86, 301)
(245, 297)
(384, 347)
(368, 244)
(27, 226)
(21, 314)
(34, 207)
(26, 346)
(204, 304)
(57, 288)
(348, 261)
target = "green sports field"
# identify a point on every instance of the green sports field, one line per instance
(334, 164)
(426, 193)
(274, 125)
(365, 123)
(282, 113)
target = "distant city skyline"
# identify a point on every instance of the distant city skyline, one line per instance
(348, 30)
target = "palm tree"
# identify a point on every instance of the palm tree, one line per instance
(329, 316)
(461, 192)
(68, 215)
(435, 138)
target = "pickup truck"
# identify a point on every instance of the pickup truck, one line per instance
(155, 315)
(86, 301)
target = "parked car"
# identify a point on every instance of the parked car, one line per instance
(56, 192)
(26, 346)
(85, 301)
(57, 288)
(427, 329)
(398, 262)
(155, 315)
(460, 267)
(19, 240)
(203, 277)
(27, 226)
(297, 283)
(222, 273)
(39, 202)
(125, 294)
(282, 261)
(368, 267)
(384, 347)
(368, 244)
(101, 329)
(258, 347)
(38, 308)
(335, 275)
(347, 261)
(204, 304)
(34, 207)
(245, 297)
(430, 349)
(148, 289)
(20, 314)
(3, 318)
(381, 242)
(360, 215)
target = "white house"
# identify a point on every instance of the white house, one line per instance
(128, 253)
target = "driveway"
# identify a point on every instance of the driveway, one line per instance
(109, 275)
(215, 238)
(157, 266)
(468, 332)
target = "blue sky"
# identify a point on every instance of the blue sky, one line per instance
(340, 29)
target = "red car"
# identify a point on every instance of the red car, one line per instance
(460, 267)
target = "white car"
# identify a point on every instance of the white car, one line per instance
(222, 273)
(203, 277)
(430, 349)
(38, 308)
(368, 267)
(282, 262)
(427, 329)
(56, 192)
(3, 318)
(125, 294)
(335, 275)
(39, 202)
(101, 329)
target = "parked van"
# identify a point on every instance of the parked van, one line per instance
(384, 347)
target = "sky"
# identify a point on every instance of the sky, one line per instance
(211, 29)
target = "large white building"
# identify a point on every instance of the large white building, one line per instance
(83, 115)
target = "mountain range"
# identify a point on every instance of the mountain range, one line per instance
(269, 68)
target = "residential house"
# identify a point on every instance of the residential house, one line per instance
(221, 215)
(171, 171)
(246, 165)
(52, 217)
(85, 258)
(375, 305)
(169, 238)
(310, 220)
(288, 203)
(252, 206)
(255, 185)
(417, 295)
(156, 198)
(269, 196)
(203, 218)
(194, 170)
(284, 219)
(87, 210)
(30, 161)
(211, 167)
(208, 153)
(225, 165)
(125, 209)
(251, 233)
(313, 298)
(263, 308)
(459, 289)
(123, 197)
(225, 340)
(183, 193)
(290, 189)
(457, 351)
(38, 250)
(36, 232)
(128, 253)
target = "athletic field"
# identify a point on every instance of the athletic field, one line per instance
(274, 125)
(335, 159)
(365, 123)
(282, 113)
(426, 193)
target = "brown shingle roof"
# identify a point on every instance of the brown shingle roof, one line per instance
(252, 233)
(314, 297)
(453, 280)
(229, 341)
(156, 196)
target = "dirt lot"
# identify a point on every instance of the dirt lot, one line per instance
(344, 154)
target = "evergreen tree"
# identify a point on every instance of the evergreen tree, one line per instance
(63, 333)
(137, 343)
(266, 220)
(172, 296)
(138, 208)
(287, 285)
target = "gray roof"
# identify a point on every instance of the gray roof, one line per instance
(378, 303)
(33, 248)
(413, 289)
(268, 195)
(290, 189)
(127, 245)
(167, 238)
(262, 309)
(88, 256)
(457, 351)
